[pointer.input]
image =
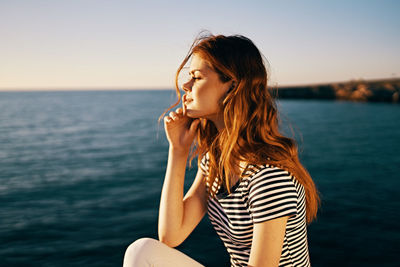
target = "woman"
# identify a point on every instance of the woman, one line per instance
(257, 194)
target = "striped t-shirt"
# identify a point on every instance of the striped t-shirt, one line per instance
(266, 193)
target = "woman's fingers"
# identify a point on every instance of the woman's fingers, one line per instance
(167, 119)
(174, 115)
(180, 129)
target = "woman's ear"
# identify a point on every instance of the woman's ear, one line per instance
(233, 86)
(230, 89)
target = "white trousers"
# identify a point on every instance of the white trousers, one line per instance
(148, 252)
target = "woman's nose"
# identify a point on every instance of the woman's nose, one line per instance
(187, 86)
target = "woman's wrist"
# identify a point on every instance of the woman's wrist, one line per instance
(179, 151)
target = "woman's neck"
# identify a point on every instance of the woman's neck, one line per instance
(218, 121)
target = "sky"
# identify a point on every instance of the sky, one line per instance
(115, 44)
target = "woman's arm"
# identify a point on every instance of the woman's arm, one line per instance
(266, 247)
(178, 216)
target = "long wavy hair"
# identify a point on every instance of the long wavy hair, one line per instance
(250, 115)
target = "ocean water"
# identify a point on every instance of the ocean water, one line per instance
(81, 176)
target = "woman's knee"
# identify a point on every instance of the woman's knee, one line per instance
(139, 251)
(142, 244)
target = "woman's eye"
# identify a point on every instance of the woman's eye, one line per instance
(195, 78)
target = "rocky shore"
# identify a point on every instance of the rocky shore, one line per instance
(386, 90)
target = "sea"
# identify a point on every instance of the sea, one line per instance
(81, 175)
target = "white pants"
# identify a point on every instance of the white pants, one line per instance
(148, 252)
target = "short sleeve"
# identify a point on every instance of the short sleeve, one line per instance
(204, 164)
(272, 194)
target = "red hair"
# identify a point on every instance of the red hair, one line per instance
(250, 115)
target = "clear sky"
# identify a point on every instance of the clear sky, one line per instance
(135, 44)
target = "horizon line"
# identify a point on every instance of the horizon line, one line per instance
(60, 89)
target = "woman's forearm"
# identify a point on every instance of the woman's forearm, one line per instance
(171, 203)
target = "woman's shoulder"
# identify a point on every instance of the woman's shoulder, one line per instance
(257, 174)
(271, 193)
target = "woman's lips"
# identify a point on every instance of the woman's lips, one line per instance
(187, 99)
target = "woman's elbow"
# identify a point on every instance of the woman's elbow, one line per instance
(169, 241)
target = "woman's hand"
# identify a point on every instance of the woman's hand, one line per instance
(180, 130)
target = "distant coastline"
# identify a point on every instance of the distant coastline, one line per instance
(383, 90)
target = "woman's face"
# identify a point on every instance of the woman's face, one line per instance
(204, 91)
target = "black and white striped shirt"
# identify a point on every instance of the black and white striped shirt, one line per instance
(266, 193)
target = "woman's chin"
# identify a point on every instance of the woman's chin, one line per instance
(192, 114)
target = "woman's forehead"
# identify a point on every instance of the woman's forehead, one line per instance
(199, 64)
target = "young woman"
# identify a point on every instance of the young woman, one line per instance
(257, 194)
